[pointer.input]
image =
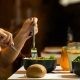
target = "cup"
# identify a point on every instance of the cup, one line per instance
(73, 51)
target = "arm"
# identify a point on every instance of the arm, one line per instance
(9, 55)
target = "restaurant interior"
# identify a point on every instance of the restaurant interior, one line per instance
(58, 24)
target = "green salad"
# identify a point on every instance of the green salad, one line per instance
(77, 59)
(52, 57)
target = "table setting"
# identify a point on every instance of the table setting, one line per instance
(57, 72)
(46, 68)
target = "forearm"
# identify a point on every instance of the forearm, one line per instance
(9, 55)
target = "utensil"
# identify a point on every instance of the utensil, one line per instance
(13, 47)
(33, 50)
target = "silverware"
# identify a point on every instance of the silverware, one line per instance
(13, 47)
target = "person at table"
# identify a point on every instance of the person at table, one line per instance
(7, 53)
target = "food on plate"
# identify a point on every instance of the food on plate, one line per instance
(77, 59)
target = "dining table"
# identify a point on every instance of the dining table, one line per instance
(57, 74)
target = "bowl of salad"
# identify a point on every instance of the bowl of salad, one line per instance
(49, 63)
(76, 66)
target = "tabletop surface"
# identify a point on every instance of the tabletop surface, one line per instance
(57, 74)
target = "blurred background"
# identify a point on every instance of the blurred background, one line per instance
(59, 22)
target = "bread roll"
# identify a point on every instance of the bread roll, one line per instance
(36, 71)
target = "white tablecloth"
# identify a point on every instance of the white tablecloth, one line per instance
(58, 74)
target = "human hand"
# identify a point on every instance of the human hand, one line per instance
(5, 38)
(29, 24)
(35, 20)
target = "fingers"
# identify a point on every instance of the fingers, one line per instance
(2, 35)
(34, 26)
(35, 20)
(6, 37)
(28, 25)
(9, 38)
(36, 29)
